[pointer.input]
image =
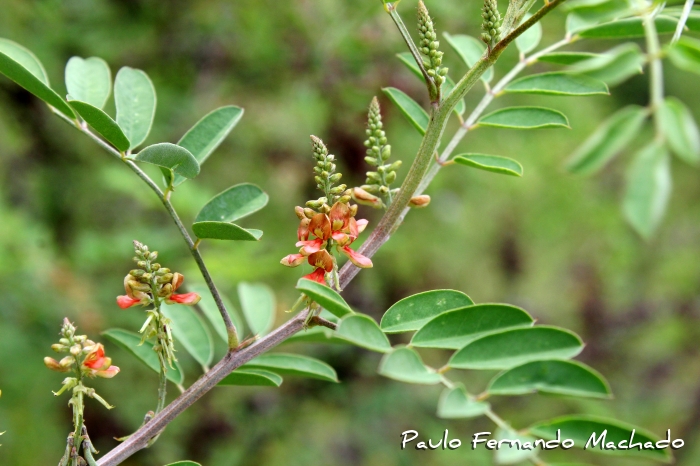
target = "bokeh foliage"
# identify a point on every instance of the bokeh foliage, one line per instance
(551, 242)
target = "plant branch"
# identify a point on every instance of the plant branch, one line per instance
(230, 328)
(228, 364)
(430, 82)
(389, 223)
(682, 20)
(429, 145)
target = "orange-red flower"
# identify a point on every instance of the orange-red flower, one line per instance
(188, 299)
(338, 226)
(323, 263)
(98, 364)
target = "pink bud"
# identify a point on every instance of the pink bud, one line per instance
(52, 364)
(293, 260)
(126, 302)
(188, 299)
(419, 201)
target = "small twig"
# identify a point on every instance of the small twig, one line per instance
(320, 321)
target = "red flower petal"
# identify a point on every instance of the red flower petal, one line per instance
(310, 247)
(126, 302)
(357, 258)
(318, 275)
(189, 299)
(95, 358)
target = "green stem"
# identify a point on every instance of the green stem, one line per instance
(432, 88)
(682, 20)
(656, 72)
(436, 126)
(162, 388)
(230, 328)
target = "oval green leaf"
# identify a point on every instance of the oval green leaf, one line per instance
(102, 123)
(190, 331)
(682, 134)
(135, 98)
(648, 189)
(89, 80)
(582, 428)
(470, 50)
(614, 66)
(315, 335)
(557, 83)
(207, 134)
(233, 204)
(327, 297)
(24, 57)
(491, 163)
(514, 347)
(258, 304)
(556, 377)
(130, 341)
(525, 118)
(210, 310)
(293, 364)
(22, 67)
(405, 365)
(409, 108)
(363, 331)
(225, 231)
(184, 463)
(176, 158)
(252, 377)
(530, 39)
(628, 28)
(611, 137)
(413, 312)
(566, 58)
(455, 403)
(685, 54)
(456, 328)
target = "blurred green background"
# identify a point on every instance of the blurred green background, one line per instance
(550, 242)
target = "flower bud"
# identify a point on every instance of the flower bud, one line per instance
(353, 210)
(300, 212)
(165, 278)
(64, 341)
(67, 362)
(309, 213)
(177, 280)
(165, 291)
(155, 266)
(419, 201)
(54, 365)
(137, 273)
(75, 350)
(59, 348)
(363, 197)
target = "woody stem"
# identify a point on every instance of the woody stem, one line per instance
(230, 328)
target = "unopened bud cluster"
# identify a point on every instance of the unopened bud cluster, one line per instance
(326, 177)
(429, 46)
(150, 282)
(378, 153)
(84, 358)
(491, 24)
